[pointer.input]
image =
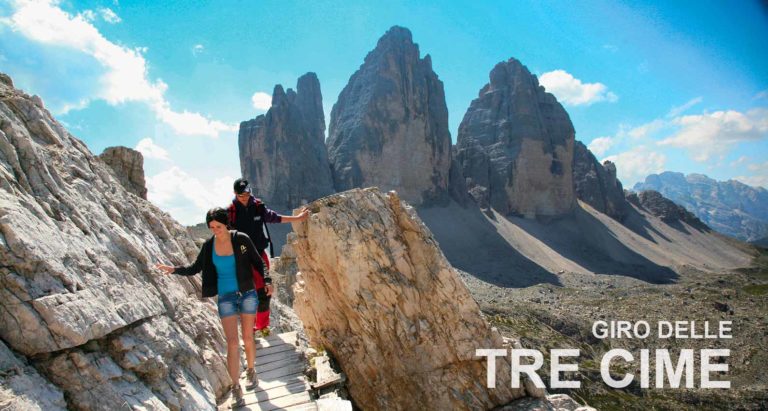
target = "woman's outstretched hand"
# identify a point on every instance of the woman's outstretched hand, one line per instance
(167, 269)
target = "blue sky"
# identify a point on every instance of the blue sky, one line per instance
(680, 86)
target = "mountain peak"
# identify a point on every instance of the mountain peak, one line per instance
(730, 207)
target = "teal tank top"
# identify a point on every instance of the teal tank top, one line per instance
(226, 272)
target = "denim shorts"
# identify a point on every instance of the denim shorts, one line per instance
(238, 303)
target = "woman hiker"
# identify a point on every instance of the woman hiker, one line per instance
(228, 260)
(248, 214)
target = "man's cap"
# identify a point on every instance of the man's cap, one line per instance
(242, 186)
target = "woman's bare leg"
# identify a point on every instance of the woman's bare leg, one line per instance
(246, 321)
(233, 347)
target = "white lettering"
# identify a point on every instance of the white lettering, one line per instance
(556, 368)
(517, 367)
(684, 363)
(491, 354)
(707, 368)
(605, 370)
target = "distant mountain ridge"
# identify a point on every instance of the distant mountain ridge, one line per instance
(730, 207)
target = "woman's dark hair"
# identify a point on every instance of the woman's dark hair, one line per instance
(217, 214)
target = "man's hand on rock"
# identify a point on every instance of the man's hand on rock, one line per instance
(304, 214)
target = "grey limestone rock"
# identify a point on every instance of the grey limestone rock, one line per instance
(22, 388)
(282, 152)
(664, 208)
(515, 146)
(597, 185)
(389, 127)
(128, 165)
(76, 271)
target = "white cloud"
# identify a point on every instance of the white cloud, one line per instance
(186, 198)
(761, 95)
(636, 164)
(739, 161)
(261, 101)
(75, 105)
(710, 134)
(125, 76)
(762, 167)
(88, 15)
(754, 181)
(610, 47)
(189, 123)
(759, 178)
(676, 111)
(600, 145)
(109, 16)
(149, 149)
(646, 129)
(197, 49)
(571, 91)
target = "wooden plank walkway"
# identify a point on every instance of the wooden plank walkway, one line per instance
(282, 384)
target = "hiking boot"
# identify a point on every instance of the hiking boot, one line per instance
(237, 396)
(253, 381)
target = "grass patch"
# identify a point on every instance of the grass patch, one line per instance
(756, 289)
(759, 268)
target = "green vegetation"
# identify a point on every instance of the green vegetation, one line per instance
(756, 289)
(759, 268)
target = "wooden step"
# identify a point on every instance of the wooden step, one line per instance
(286, 338)
(295, 377)
(276, 354)
(278, 403)
(261, 352)
(274, 365)
(277, 392)
(310, 406)
(280, 371)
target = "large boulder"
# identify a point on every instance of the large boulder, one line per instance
(515, 146)
(128, 165)
(596, 184)
(282, 152)
(389, 127)
(375, 290)
(80, 299)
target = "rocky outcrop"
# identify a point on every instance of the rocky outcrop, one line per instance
(128, 165)
(376, 292)
(389, 127)
(597, 184)
(22, 388)
(282, 152)
(664, 208)
(729, 207)
(81, 303)
(515, 146)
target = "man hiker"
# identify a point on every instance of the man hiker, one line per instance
(248, 214)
